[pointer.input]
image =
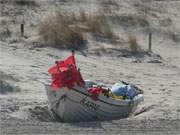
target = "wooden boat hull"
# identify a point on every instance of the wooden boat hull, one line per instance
(75, 105)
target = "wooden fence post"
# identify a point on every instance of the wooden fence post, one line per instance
(150, 42)
(22, 30)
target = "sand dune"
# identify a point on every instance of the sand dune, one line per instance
(23, 67)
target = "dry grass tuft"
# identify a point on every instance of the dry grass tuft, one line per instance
(5, 33)
(56, 32)
(133, 45)
(175, 37)
(82, 16)
(99, 26)
(132, 20)
(141, 20)
(108, 6)
(95, 23)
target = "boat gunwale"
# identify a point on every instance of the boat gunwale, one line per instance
(123, 102)
(119, 103)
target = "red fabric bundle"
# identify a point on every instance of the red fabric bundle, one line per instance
(95, 92)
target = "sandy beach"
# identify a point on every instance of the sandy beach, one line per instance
(24, 63)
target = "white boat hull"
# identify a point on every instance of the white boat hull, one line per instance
(76, 105)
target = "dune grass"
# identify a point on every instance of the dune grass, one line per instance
(56, 32)
(64, 30)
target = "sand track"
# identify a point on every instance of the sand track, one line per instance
(125, 127)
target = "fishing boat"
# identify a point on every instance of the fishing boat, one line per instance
(72, 101)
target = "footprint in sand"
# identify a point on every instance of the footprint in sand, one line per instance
(8, 87)
(42, 113)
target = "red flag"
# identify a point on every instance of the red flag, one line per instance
(57, 81)
(65, 74)
(62, 65)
